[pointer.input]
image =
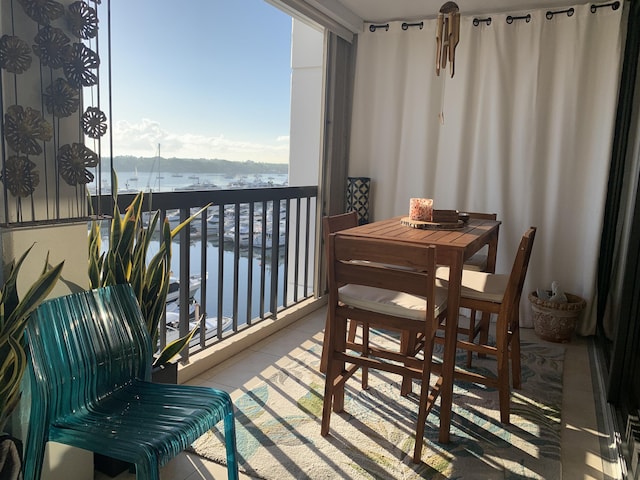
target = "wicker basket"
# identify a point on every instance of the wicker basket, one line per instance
(555, 321)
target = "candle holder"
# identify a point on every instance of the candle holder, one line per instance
(421, 209)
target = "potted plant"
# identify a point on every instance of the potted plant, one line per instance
(555, 313)
(14, 315)
(125, 261)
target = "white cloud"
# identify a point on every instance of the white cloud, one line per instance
(142, 139)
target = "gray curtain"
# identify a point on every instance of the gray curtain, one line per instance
(339, 92)
(340, 62)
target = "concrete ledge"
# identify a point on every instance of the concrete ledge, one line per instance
(212, 356)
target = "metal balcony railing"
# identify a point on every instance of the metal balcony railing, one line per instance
(248, 257)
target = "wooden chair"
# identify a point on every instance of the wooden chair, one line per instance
(478, 262)
(90, 366)
(366, 286)
(332, 224)
(496, 294)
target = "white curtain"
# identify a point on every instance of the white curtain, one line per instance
(524, 129)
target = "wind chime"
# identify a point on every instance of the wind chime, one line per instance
(447, 37)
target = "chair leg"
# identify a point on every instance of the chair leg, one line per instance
(424, 406)
(515, 358)
(333, 396)
(365, 352)
(504, 381)
(35, 444)
(230, 444)
(149, 469)
(408, 341)
(485, 321)
(353, 325)
(325, 342)
(327, 333)
(472, 335)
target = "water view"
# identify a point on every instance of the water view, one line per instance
(133, 181)
(239, 253)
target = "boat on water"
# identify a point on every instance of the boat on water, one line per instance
(199, 185)
(174, 287)
(210, 323)
(243, 235)
(135, 177)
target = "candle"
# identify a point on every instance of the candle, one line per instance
(421, 209)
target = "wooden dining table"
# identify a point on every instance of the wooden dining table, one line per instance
(453, 247)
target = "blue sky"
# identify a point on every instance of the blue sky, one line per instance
(202, 78)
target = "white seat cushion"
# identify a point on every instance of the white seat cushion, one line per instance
(389, 302)
(489, 287)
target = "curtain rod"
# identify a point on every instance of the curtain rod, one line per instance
(551, 13)
(478, 21)
(406, 25)
(614, 6)
(510, 18)
(373, 28)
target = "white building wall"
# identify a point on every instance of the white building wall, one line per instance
(307, 67)
(306, 131)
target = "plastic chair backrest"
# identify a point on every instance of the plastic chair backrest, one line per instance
(83, 346)
(100, 355)
(90, 370)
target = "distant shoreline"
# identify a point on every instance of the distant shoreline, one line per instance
(128, 163)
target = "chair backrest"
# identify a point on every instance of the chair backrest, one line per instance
(83, 346)
(335, 223)
(383, 264)
(513, 292)
(483, 216)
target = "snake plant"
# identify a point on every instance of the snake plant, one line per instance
(125, 261)
(14, 315)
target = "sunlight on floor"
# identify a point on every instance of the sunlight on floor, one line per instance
(580, 436)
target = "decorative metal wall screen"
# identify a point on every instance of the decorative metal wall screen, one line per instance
(358, 189)
(49, 65)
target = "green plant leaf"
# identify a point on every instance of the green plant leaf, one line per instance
(95, 255)
(9, 290)
(177, 229)
(174, 348)
(127, 261)
(11, 373)
(15, 314)
(34, 296)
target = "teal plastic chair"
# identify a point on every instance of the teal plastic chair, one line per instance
(90, 368)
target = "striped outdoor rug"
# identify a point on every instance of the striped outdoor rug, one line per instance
(278, 427)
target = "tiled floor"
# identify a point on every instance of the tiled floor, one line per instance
(581, 441)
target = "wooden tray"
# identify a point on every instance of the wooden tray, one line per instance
(406, 221)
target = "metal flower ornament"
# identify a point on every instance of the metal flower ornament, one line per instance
(447, 37)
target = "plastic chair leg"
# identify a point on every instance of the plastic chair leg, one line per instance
(230, 443)
(148, 469)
